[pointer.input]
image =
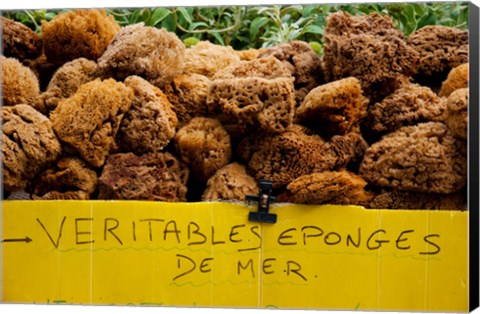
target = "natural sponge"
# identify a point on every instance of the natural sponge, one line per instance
(65, 82)
(188, 95)
(303, 63)
(410, 104)
(153, 54)
(441, 48)
(395, 199)
(29, 144)
(149, 124)
(76, 34)
(334, 108)
(152, 176)
(231, 182)
(19, 85)
(19, 41)
(421, 158)
(206, 58)
(368, 47)
(204, 145)
(89, 120)
(70, 178)
(457, 78)
(281, 158)
(457, 113)
(257, 93)
(329, 187)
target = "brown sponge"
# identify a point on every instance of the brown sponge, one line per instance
(188, 95)
(330, 187)
(255, 101)
(28, 145)
(89, 120)
(206, 58)
(368, 47)
(19, 41)
(19, 85)
(441, 48)
(334, 108)
(394, 199)
(149, 124)
(70, 178)
(153, 54)
(303, 63)
(231, 182)
(76, 34)
(204, 145)
(457, 78)
(65, 82)
(422, 158)
(410, 104)
(281, 158)
(153, 177)
(457, 113)
(265, 67)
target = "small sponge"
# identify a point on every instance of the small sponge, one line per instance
(231, 182)
(19, 85)
(204, 145)
(457, 78)
(334, 108)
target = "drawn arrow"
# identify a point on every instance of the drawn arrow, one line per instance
(26, 240)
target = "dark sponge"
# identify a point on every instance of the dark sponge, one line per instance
(368, 47)
(70, 178)
(19, 41)
(440, 48)
(410, 104)
(153, 176)
(394, 199)
(304, 64)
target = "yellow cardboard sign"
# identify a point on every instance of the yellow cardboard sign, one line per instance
(209, 254)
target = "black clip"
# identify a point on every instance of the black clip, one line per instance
(264, 200)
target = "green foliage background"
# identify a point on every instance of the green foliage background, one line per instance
(244, 27)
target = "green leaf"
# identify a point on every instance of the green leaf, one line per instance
(169, 23)
(255, 26)
(429, 19)
(314, 29)
(185, 14)
(159, 15)
(218, 38)
(194, 25)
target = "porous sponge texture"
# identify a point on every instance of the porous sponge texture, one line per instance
(231, 182)
(204, 145)
(421, 158)
(149, 124)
